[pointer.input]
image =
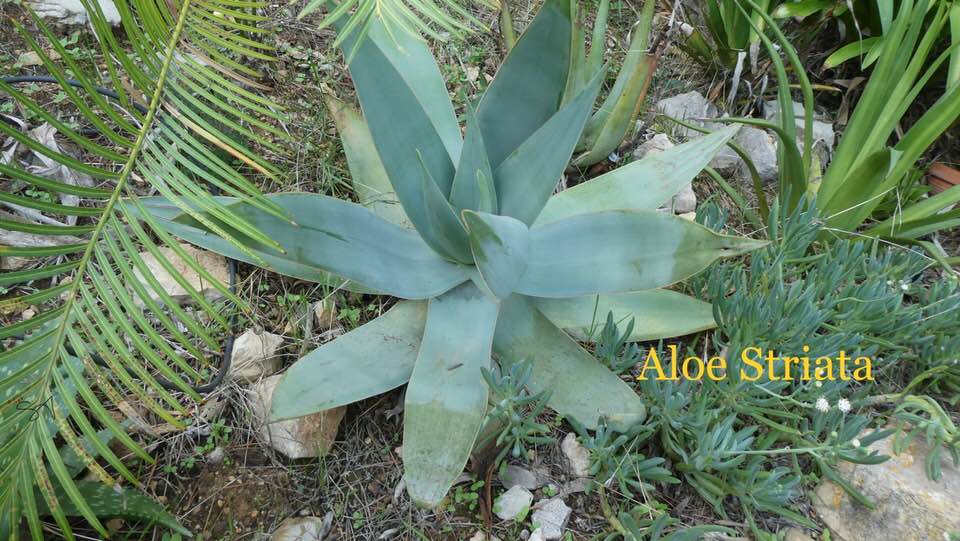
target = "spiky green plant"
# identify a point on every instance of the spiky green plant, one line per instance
(105, 332)
(495, 263)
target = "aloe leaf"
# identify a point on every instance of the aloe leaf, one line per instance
(107, 501)
(529, 85)
(330, 236)
(367, 175)
(605, 137)
(656, 314)
(469, 191)
(410, 58)
(618, 113)
(644, 184)
(500, 247)
(444, 231)
(400, 123)
(369, 360)
(527, 178)
(447, 398)
(619, 251)
(580, 387)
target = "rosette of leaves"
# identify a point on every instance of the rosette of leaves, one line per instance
(179, 95)
(494, 263)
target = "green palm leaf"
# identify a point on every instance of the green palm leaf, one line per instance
(185, 102)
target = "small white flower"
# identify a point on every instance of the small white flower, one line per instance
(843, 405)
(822, 405)
(855, 443)
(905, 287)
(818, 384)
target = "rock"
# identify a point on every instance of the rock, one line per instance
(550, 518)
(325, 312)
(693, 108)
(580, 484)
(303, 529)
(303, 437)
(796, 534)
(685, 201)
(578, 458)
(823, 135)
(513, 504)
(762, 149)
(910, 507)
(217, 456)
(726, 161)
(73, 12)
(537, 535)
(255, 356)
(215, 264)
(481, 536)
(31, 58)
(657, 143)
(516, 476)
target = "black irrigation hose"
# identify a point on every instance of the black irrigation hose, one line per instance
(224, 364)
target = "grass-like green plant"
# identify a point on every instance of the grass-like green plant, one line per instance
(495, 263)
(730, 33)
(867, 174)
(867, 26)
(104, 330)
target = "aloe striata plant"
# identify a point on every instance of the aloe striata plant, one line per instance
(494, 264)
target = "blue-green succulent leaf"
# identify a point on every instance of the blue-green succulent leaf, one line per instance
(446, 398)
(528, 88)
(618, 251)
(500, 246)
(365, 362)
(330, 236)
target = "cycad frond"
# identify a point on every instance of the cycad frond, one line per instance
(104, 330)
(414, 17)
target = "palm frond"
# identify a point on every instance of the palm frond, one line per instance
(105, 332)
(413, 16)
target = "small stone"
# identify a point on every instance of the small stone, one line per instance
(303, 529)
(31, 58)
(304, 437)
(473, 73)
(513, 504)
(73, 11)
(726, 161)
(909, 506)
(574, 486)
(578, 458)
(325, 312)
(761, 147)
(517, 476)
(656, 144)
(481, 536)
(550, 518)
(216, 456)
(255, 356)
(214, 264)
(796, 534)
(685, 201)
(537, 535)
(691, 107)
